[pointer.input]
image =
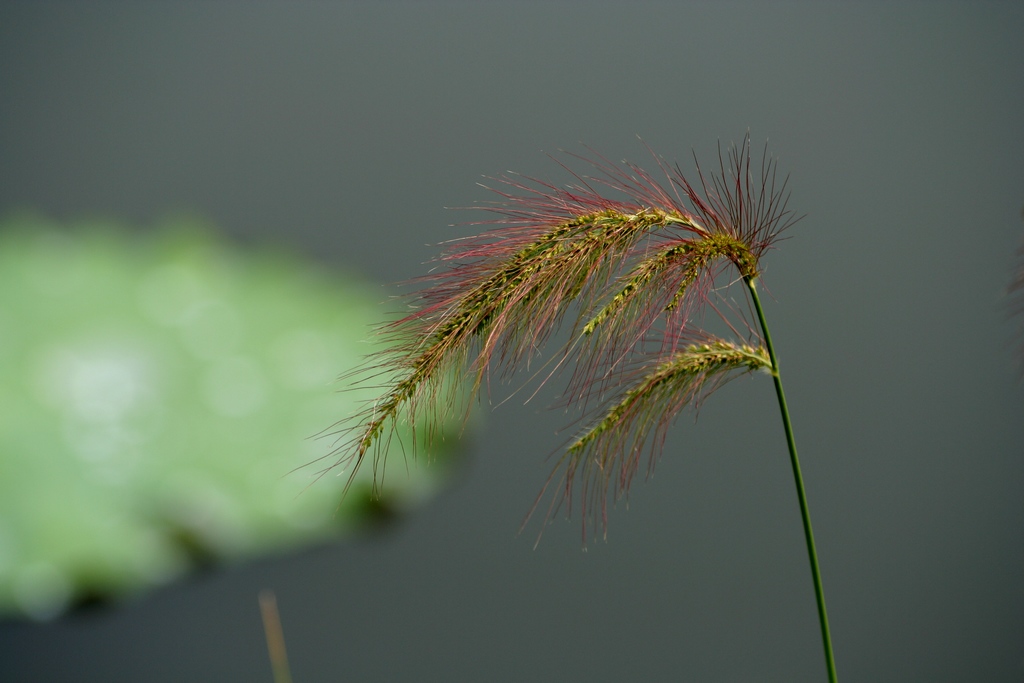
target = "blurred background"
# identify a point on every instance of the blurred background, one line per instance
(341, 131)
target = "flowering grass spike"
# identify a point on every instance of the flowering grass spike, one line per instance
(631, 265)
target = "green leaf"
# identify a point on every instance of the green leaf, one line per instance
(158, 394)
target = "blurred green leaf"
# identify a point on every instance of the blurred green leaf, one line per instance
(158, 393)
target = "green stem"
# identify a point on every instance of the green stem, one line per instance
(819, 592)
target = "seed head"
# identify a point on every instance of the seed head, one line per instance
(629, 263)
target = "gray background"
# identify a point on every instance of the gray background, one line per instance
(344, 129)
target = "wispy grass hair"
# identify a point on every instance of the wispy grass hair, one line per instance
(619, 272)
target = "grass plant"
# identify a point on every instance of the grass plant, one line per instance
(634, 265)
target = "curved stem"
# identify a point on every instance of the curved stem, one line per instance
(819, 592)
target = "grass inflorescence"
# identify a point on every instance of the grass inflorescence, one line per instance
(607, 455)
(630, 274)
(632, 279)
